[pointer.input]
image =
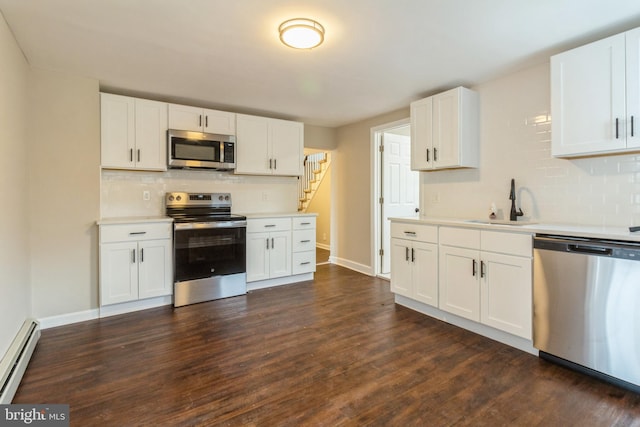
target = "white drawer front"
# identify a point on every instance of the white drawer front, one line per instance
(268, 224)
(304, 240)
(460, 237)
(304, 222)
(507, 243)
(134, 232)
(304, 262)
(419, 232)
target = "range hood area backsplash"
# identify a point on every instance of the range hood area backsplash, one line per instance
(122, 192)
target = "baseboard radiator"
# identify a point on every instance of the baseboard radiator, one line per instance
(15, 362)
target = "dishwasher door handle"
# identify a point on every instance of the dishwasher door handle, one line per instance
(590, 250)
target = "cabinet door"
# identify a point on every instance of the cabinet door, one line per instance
(221, 122)
(506, 293)
(425, 272)
(154, 268)
(117, 131)
(279, 254)
(287, 145)
(633, 88)
(252, 148)
(421, 136)
(184, 117)
(401, 266)
(446, 129)
(151, 135)
(118, 272)
(459, 290)
(588, 97)
(257, 256)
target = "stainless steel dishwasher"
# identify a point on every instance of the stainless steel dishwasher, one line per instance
(586, 313)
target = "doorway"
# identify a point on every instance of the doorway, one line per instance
(396, 191)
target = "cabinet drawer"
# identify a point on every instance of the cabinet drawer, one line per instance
(304, 240)
(304, 222)
(420, 232)
(135, 232)
(507, 243)
(460, 237)
(268, 224)
(304, 262)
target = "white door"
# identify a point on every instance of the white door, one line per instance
(286, 148)
(399, 187)
(154, 268)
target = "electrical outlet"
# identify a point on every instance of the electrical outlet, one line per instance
(435, 198)
(146, 195)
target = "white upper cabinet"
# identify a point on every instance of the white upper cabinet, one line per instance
(133, 133)
(197, 119)
(445, 130)
(595, 97)
(269, 146)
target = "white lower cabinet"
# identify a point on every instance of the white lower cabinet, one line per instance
(304, 245)
(268, 248)
(414, 262)
(486, 276)
(135, 262)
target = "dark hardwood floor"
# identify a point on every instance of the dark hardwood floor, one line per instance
(336, 351)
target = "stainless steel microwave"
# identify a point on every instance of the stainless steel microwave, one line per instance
(200, 150)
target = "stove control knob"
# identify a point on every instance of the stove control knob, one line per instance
(226, 198)
(171, 198)
(178, 198)
(221, 198)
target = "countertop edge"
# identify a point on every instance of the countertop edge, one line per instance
(133, 220)
(587, 231)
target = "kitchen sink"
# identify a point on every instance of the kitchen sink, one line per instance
(499, 222)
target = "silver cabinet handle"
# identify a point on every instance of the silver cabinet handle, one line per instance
(305, 241)
(435, 154)
(267, 243)
(138, 154)
(270, 163)
(134, 233)
(206, 121)
(272, 243)
(631, 125)
(305, 223)
(474, 268)
(200, 120)
(275, 163)
(406, 254)
(413, 255)
(428, 155)
(269, 225)
(142, 255)
(617, 135)
(131, 154)
(133, 256)
(410, 233)
(305, 263)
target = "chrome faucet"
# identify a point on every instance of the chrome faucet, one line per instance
(512, 196)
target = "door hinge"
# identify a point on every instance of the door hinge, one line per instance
(381, 201)
(381, 148)
(381, 252)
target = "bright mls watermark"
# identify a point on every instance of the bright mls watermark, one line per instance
(34, 415)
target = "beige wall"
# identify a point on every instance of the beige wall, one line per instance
(64, 177)
(319, 137)
(351, 180)
(15, 305)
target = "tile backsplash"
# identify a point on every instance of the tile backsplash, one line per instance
(515, 142)
(122, 191)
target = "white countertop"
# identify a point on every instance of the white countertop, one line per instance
(133, 220)
(276, 215)
(614, 233)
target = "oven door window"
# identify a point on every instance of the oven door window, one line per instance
(209, 252)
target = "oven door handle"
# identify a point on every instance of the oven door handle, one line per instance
(205, 225)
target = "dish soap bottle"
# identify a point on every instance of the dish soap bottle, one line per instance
(492, 211)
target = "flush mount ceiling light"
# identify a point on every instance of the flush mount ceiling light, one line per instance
(301, 33)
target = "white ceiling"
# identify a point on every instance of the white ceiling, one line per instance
(378, 55)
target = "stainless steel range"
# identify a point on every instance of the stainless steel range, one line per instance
(209, 247)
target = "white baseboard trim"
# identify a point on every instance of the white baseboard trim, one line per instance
(323, 246)
(128, 307)
(478, 328)
(68, 318)
(360, 268)
(14, 363)
(269, 283)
